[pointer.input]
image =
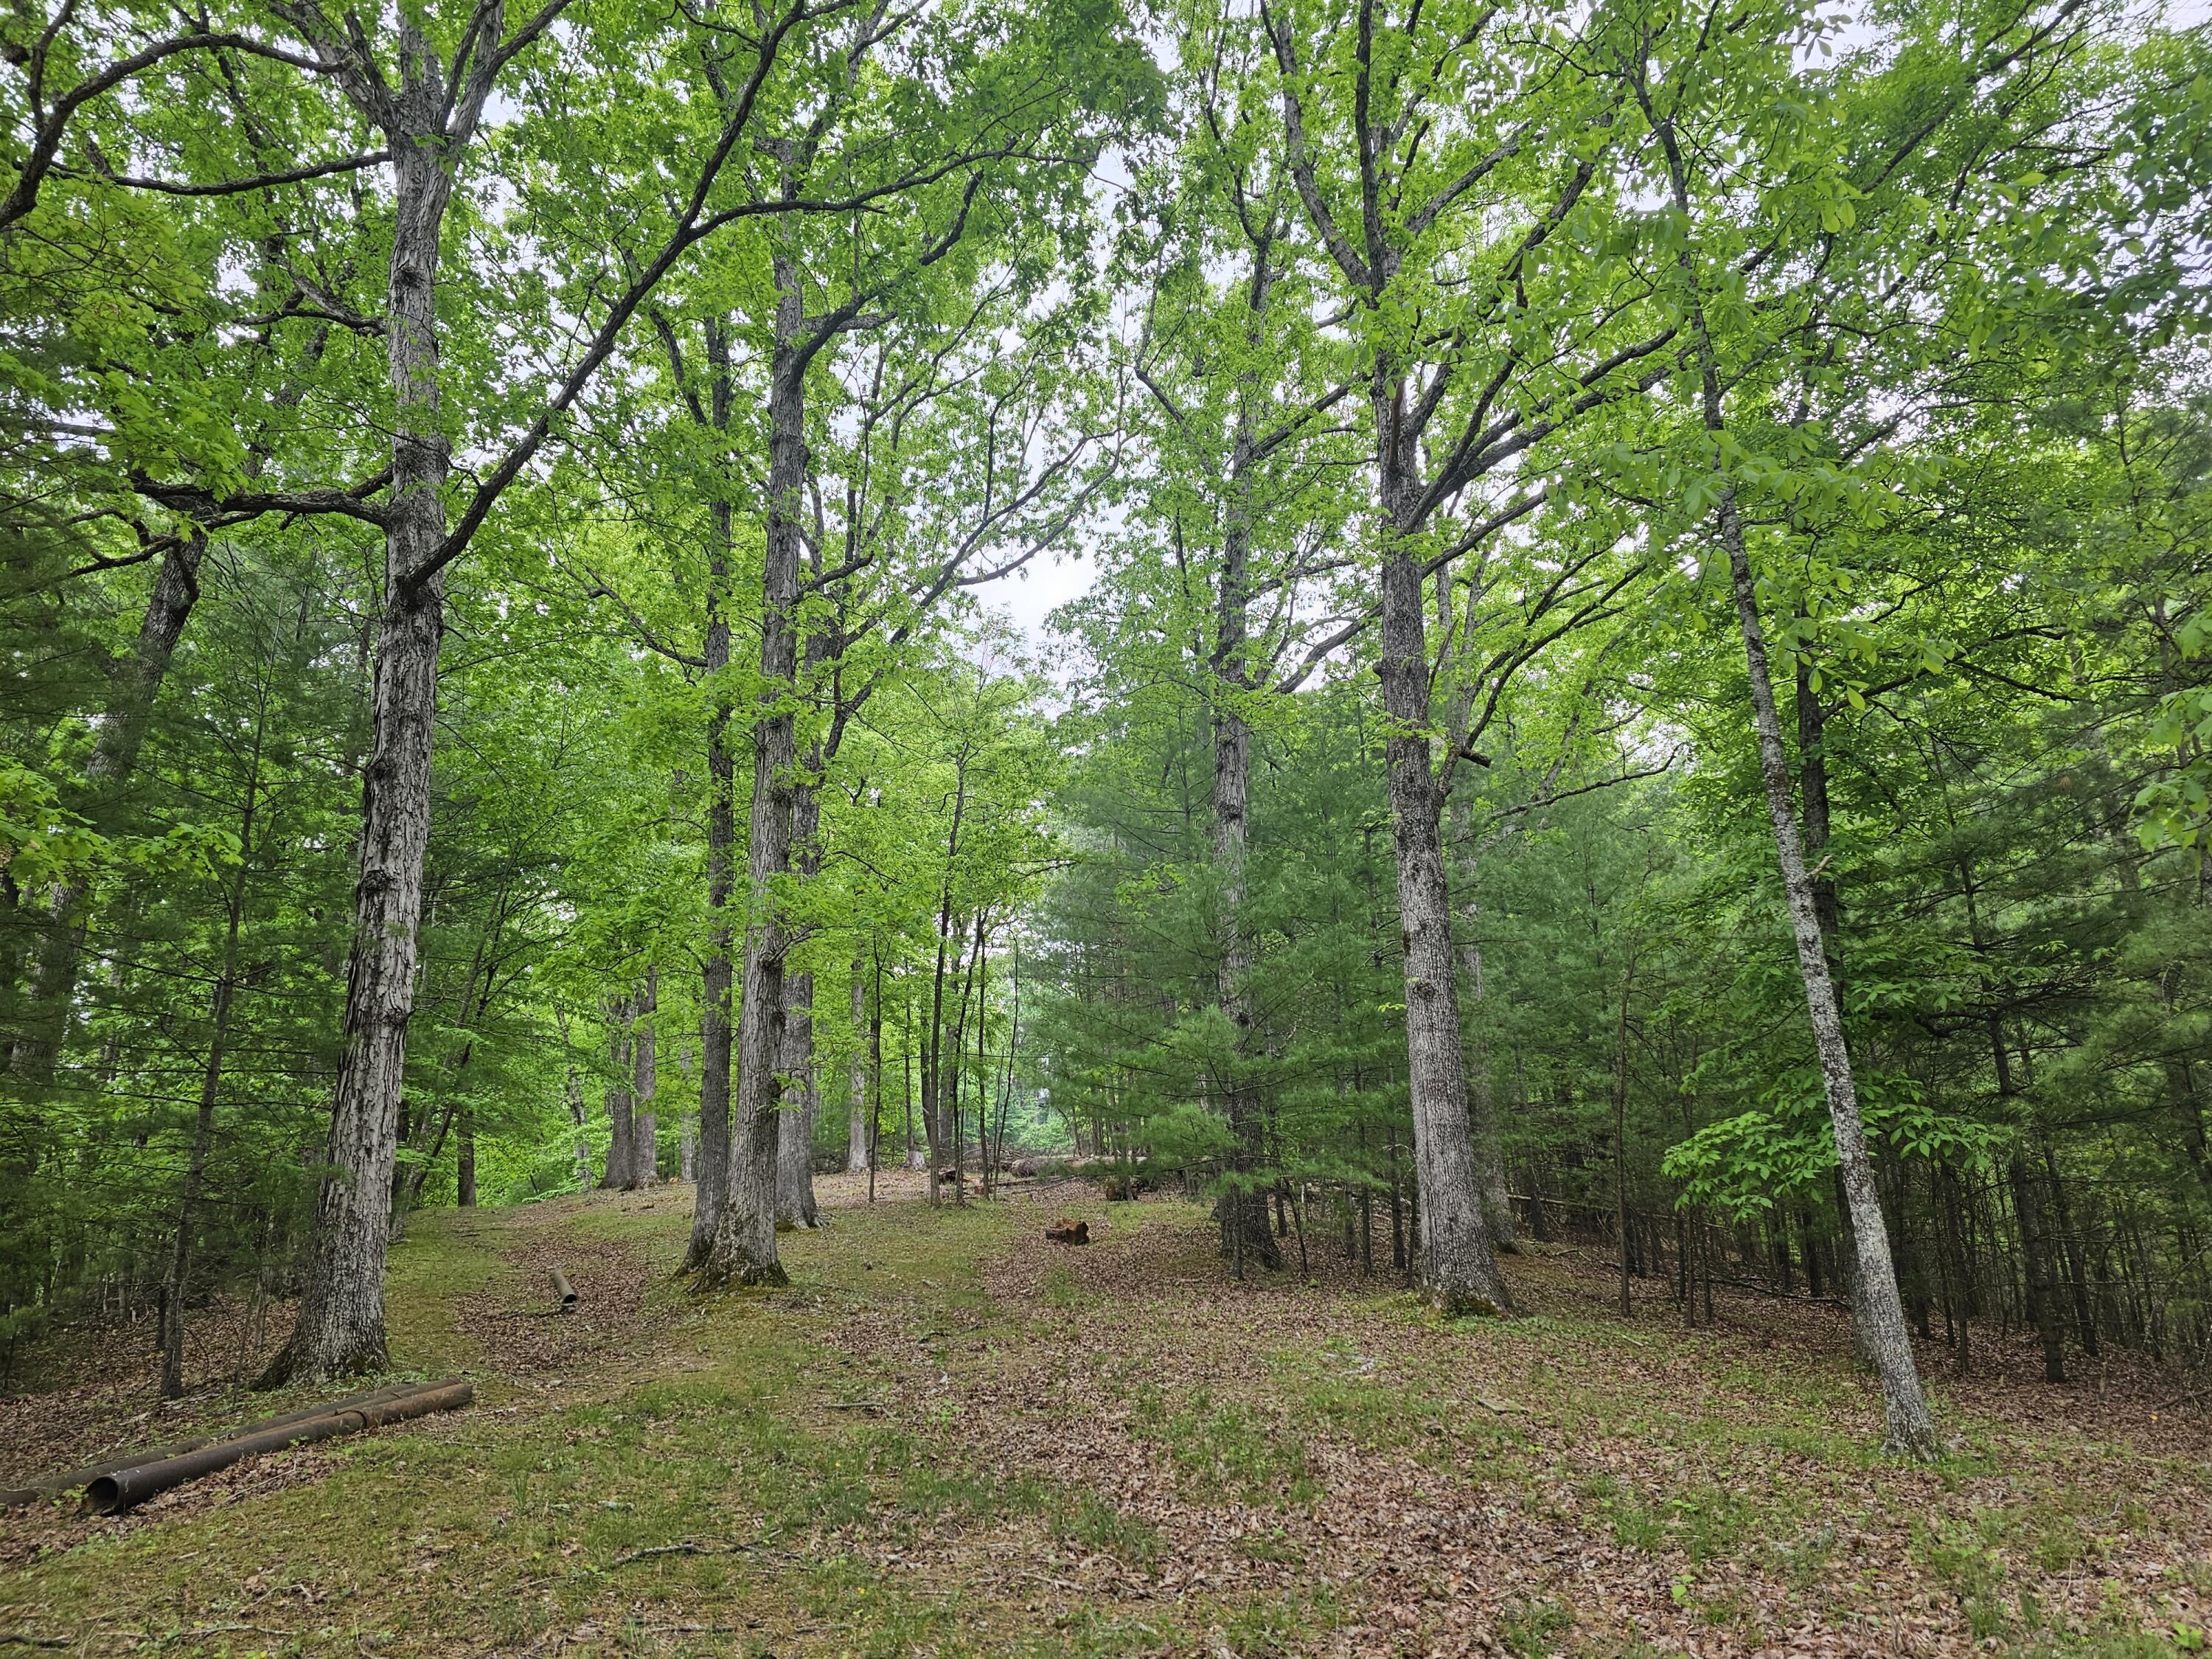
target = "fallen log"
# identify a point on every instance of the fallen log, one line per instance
(564, 1290)
(126, 1488)
(1064, 1231)
(52, 1486)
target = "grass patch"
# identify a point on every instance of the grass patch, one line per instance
(1096, 1527)
(1222, 1448)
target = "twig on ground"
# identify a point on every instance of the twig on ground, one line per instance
(693, 1546)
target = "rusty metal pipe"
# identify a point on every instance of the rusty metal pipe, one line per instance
(52, 1486)
(564, 1290)
(126, 1488)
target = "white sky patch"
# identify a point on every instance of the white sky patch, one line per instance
(1028, 597)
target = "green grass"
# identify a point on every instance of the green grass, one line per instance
(1222, 1447)
(727, 1479)
(497, 1527)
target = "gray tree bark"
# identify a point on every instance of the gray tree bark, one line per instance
(573, 1092)
(1242, 1208)
(711, 1172)
(1457, 1263)
(1877, 1308)
(620, 1014)
(645, 1129)
(340, 1328)
(1481, 1104)
(794, 1176)
(857, 1137)
(745, 1248)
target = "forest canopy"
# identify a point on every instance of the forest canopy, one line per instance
(1636, 662)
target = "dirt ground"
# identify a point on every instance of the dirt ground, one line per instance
(949, 1435)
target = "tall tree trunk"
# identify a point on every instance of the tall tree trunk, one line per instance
(1482, 1099)
(645, 1061)
(876, 1069)
(1812, 789)
(794, 1176)
(711, 1187)
(2085, 1317)
(621, 1016)
(573, 1092)
(933, 1051)
(952, 1131)
(340, 1328)
(1242, 1208)
(2042, 1307)
(1878, 1310)
(465, 1162)
(745, 1248)
(859, 1142)
(917, 1157)
(1457, 1263)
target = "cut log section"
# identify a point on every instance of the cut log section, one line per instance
(564, 1290)
(126, 1488)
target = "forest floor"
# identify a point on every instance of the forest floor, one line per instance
(949, 1436)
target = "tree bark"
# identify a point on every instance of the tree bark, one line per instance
(465, 1162)
(1242, 1208)
(573, 1091)
(621, 1016)
(340, 1328)
(1457, 1263)
(858, 1142)
(645, 1058)
(745, 1248)
(2035, 1254)
(1877, 1310)
(1481, 1100)
(795, 1177)
(932, 1052)
(711, 1180)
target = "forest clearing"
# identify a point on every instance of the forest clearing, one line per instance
(949, 1436)
(1188, 827)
